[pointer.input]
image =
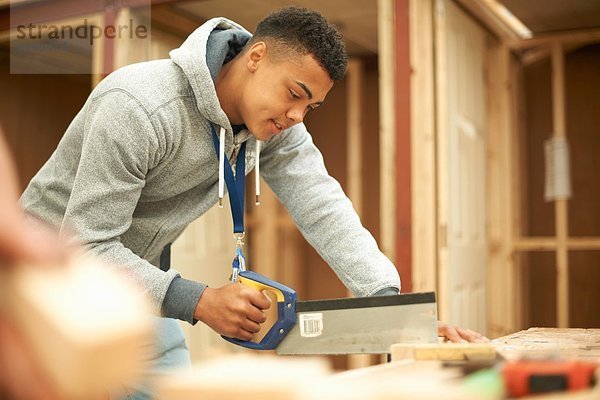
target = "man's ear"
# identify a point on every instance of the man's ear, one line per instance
(255, 55)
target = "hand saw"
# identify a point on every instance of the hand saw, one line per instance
(363, 325)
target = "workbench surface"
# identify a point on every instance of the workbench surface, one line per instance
(581, 344)
(430, 379)
(271, 377)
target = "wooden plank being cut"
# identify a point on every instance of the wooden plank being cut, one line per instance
(443, 351)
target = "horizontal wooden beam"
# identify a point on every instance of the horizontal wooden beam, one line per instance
(550, 243)
(564, 37)
(583, 243)
(534, 55)
(487, 12)
(12, 3)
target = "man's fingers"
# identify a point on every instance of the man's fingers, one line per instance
(460, 335)
(243, 334)
(451, 334)
(251, 326)
(472, 336)
(260, 300)
(256, 315)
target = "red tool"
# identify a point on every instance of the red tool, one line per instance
(528, 377)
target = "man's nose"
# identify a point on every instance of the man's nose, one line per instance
(296, 115)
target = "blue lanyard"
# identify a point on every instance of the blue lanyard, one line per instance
(236, 186)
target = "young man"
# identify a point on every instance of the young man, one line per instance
(138, 164)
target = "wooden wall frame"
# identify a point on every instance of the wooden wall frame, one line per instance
(507, 55)
(561, 242)
(423, 147)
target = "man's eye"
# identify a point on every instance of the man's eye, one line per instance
(294, 95)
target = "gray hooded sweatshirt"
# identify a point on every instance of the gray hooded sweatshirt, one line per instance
(138, 164)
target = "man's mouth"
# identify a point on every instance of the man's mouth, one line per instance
(278, 126)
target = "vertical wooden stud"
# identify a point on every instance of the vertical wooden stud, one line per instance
(387, 130)
(441, 121)
(423, 142)
(354, 105)
(501, 170)
(559, 126)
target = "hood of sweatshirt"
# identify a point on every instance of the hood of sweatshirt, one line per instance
(201, 57)
(217, 41)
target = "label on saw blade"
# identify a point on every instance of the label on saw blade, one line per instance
(311, 325)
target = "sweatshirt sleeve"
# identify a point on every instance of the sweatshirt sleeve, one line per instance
(294, 169)
(120, 146)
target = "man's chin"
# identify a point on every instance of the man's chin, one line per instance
(261, 135)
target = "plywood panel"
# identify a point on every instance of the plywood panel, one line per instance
(328, 129)
(464, 286)
(538, 109)
(542, 293)
(585, 289)
(583, 130)
(370, 149)
(582, 119)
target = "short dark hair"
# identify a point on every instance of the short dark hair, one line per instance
(307, 32)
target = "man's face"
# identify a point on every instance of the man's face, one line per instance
(279, 93)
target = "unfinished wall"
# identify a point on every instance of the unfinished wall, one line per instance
(35, 111)
(582, 84)
(328, 129)
(583, 127)
(327, 126)
(370, 160)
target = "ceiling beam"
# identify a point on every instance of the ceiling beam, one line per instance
(496, 18)
(568, 37)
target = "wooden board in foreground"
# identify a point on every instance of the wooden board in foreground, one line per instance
(88, 330)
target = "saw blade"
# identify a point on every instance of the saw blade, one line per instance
(365, 325)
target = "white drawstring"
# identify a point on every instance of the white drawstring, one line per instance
(257, 171)
(221, 166)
